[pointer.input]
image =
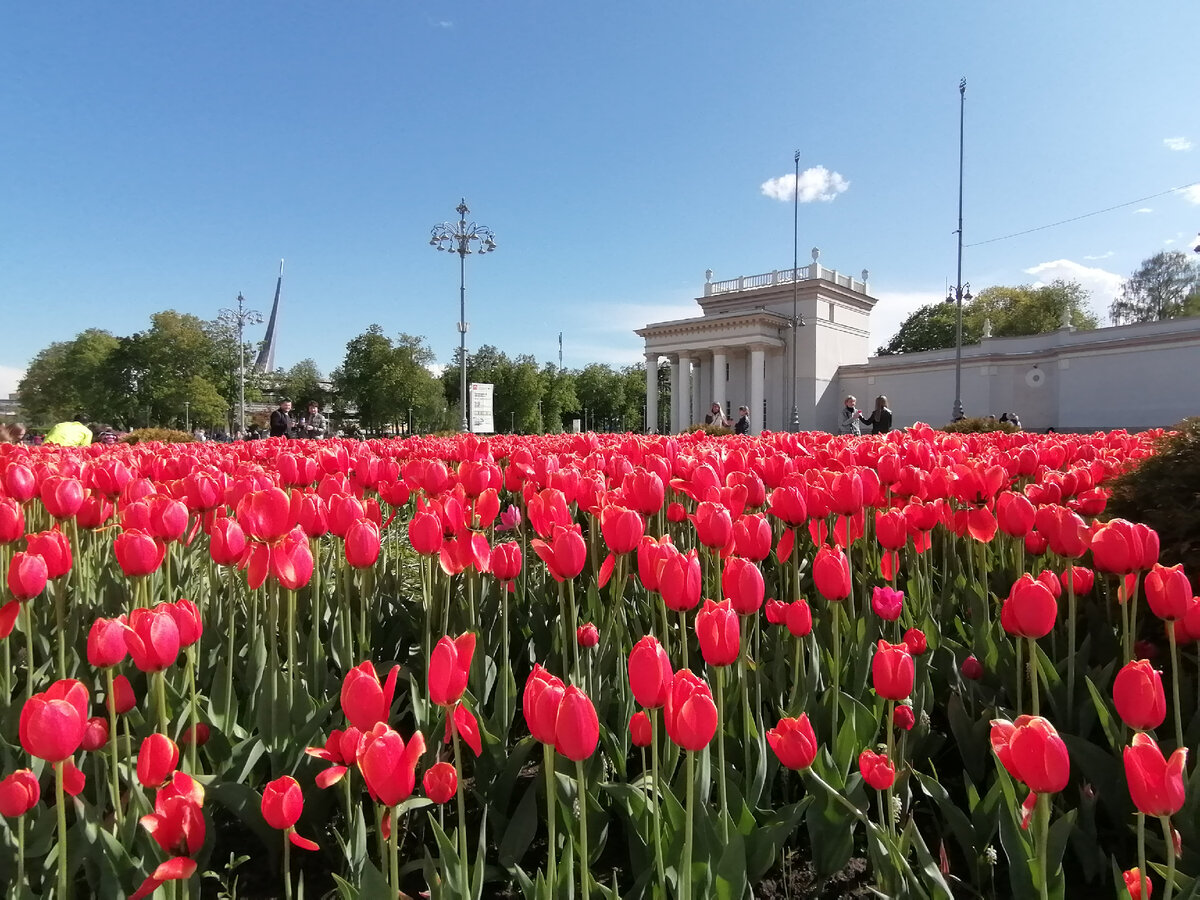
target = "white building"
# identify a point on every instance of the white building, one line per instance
(739, 351)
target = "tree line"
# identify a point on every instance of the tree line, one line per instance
(184, 370)
(1165, 286)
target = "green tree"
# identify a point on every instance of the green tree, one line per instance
(69, 378)
(557, 396)
(1010, 311)
(301, 383)
(1165, 286)
(383, 380)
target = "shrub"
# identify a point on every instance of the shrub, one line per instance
(162, 435)
(979, 424)
(1163, 491)
(712, 430)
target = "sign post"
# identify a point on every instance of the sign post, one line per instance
(481, 408)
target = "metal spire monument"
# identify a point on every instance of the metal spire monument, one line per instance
(266, 356)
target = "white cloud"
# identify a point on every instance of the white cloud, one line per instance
(893, 308)
(1103, 285)
(1144, 209)
(1177, 143)
(10, 377)
(1168, 242)
(816, 183)
(1191, 193)
(1100, 256)
(625, 317)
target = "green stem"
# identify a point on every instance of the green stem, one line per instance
(60, 625)
(568, 636)
(797, 663)
(1020, 673)
(1133, 619)
(1034, 668)
(114, 773)
(1169, 840)
(837, 668)
(1175, 684)
(891, 730)
(685, 875)
(291, 649)
(287, 868)
(1070, 648)
(20, 885)
(551, 815)
(194, 716)
(394, 848)
(1042, 808)
(1141, 830)
(231, 601)
(574, 624)
(584, 874)
(316, 614)
(61, 809)
(27, 625)
(462, 810)
(721, 753)
(160, 679)
(683, 636)
(658, 858)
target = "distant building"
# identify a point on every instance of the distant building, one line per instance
(10, 406)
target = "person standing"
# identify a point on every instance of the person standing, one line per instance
(70, 434)
(850, 416)
(716, 416)
(742, 426)
(281, 419)
(880, 419)
(313, 426)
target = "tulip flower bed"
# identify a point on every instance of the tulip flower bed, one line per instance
(592, 666)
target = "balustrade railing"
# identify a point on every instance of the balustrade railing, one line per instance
(783, 276)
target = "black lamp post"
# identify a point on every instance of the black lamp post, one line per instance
(459, 237)
(960, 292)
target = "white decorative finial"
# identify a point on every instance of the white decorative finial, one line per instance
(708, 273)
(987, 328)
(1066, 317)
(865, 275)
(816, 253)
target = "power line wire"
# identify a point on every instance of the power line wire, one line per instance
(1084, 216)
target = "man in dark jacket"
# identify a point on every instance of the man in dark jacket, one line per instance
(281, 420)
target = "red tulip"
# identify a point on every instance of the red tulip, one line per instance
(799, 618)
(19, 482)
(972, 668)
(341, 749)
(95, 734)
(622, 528)
(52, 722)
(1032, 752)
(691, 714)
(903, 717)
(123, 697)
(887, 603)
(449, 669)
(788, 505)
(541, 701)
(719, 631)
(197, 734)
(1078, 579)
(891, 529)
(1155, 784)
(362, 544)
(1138, 695)
(27, 576)
(440, 782)
(650, 673)
(877, 770)
(565, 554)
(794, 742)
(1030, 609)
(679, 580)
(425, 532)
(1015, 515)
(12, 520)
(95, 511)
(914, 640)
(752, 537)
(1133, 884)
(226, 542)
(742, 584)
(1064, 531)
(892, 671)
(1168, 592)
(62, 496)
(366, 702)
(187, 619)
(282, 804)
(676, 513)
(265, 515)
(388, 764)
(177, 826)
(138, 553)
(291, 561)
(640, 730)
(168, 517)
(714, 525)
(311, 513)
(643, 491)
(831, 572)
(1120, 547)
(54, 548)
(506, 561)
(19, 793)
(587, 635)
(577, 729)
(152, 638)
(157, 760)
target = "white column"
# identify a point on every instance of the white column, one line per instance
(651, 393)
(757, 362)
(685, 391)
(718, 383)
(676, 390)
(697, 389)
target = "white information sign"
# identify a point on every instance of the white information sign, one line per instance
(481, 408)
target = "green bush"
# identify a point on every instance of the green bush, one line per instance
(1163, 491)
(979, 424)
(162, 435)
(711, 430)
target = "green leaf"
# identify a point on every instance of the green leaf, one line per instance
(374, 883)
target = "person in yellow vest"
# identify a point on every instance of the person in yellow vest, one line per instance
(70, 434)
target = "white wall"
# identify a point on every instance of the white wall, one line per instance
(1130, 376)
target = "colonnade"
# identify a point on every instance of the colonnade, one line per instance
(700, 378)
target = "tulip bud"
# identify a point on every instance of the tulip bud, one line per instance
(972, 668)
(440, 782)
(588, 635)
(903, 717)
(640, 732)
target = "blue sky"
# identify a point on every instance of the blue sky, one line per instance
(164, 155)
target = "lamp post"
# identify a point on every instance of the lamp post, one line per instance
(957, 296)
(795, 285)
(458, 237)
(187, 416)
(240, 318)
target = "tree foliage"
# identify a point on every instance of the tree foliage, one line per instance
(1010, 311)
(383, 379)
(1165, 286)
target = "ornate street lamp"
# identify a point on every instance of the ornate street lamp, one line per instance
(240, 318)
(795, 286)
(462, 238)
(957, 296)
